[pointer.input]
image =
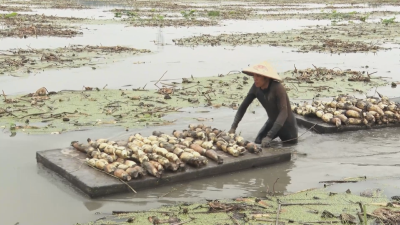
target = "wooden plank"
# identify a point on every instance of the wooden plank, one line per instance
(68, 164)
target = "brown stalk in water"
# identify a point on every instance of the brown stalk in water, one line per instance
(114, 177)
(127, 212)
(233, 219)
(273, 187)
(155, 84)
(277, 213)
(339, 181)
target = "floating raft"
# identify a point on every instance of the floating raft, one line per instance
(69, 164)
(324, 128)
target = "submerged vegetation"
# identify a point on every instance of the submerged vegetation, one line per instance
(351, 38)
(313, 206)
(48, 112)
(19, 62)
(25, 25)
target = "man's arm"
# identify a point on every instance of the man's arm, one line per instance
(243, 107)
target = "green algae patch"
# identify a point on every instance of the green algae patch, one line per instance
(19, 62)
(336, 39)
(57, 112)
(75, 110)
(304, 207)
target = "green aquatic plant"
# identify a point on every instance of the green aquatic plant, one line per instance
(12, 126)
(388, 21)
(131, 14)
(188, 14)
(213, 13)
(313, 206)
(364, 17)
(336, 16)
(158, 17)
(100, 107)
(10, 15)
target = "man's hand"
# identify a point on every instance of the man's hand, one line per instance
(232, 130)
(266, 142)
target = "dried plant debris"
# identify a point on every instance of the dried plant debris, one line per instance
(181, 14)
(67, 5)
(326, 13)
(8, 8)
(23, 26)
(377, 2)
(365, 37)
(143, 13)
(57, 4)
(323, 82)
(273, 3)
(159, 21)
(96, 106)
(314, 206)
(19, 62)
(187, 12)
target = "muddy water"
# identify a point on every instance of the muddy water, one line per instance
(180, 62)
(26, 185)
(30, 194)
(201, 61)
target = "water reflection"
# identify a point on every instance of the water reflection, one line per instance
(91, 206)
(160, 39)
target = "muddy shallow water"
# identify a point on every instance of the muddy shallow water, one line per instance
(329, 157)
(30, 194)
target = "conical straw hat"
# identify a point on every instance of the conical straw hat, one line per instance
(264, 69)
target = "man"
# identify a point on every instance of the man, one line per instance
(273, 97)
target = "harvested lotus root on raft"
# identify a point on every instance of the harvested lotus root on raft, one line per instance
(348, 110)
(160, 152)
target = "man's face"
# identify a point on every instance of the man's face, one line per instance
(259, 81)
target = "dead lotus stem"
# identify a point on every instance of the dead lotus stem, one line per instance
(144, 211)
(163, 195)
(155, 84)
(339, 181)
(277, 213)
(233, 219)
(114, 177)
(328, 222)
(264, 220)
(191, 219)
(360, 215)
(302, 133)
(291, 204)
(273, 186)
(191, 86)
